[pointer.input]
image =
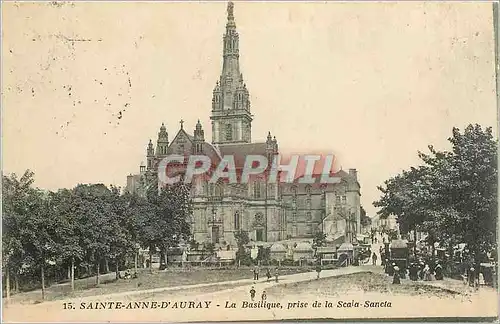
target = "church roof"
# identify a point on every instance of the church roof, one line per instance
(211, 150)
(241, 150)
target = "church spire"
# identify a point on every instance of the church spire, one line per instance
(231, 117)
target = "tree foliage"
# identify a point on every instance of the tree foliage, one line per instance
(87, 226)
(242, 255)
(319, 239)
(452, 196)
(364, 219)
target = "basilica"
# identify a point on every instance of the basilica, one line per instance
(269, 212)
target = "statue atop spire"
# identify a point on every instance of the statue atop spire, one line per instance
(230, 10)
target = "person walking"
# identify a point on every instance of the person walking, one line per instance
(427, 273)
(374, 259)
(413, 272)
(256, 273)
(318, 269)
(264, 296)
(439, 272)
(252, 293)
(276, 273)
(396, 278)
(268, 274)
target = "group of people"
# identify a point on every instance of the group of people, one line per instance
(422, 271)
(127, 275)
(415, 271)
(256, 271)
(253, 292)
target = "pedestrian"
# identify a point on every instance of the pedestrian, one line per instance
(396, 279)
(421, 273)
(391, 269)
(439, 272)
(413, 272)
(268, 274)
(472, 277)
(264, 295)
(276, 273)
(427, 273)
(387, 266)
(318, 269)
(252, 293)
(256, 273)
(374, 259)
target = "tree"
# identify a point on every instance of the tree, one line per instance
(319, 239)
(175, 209)
(67, 240)
(242, 239)
(162, 217)
(364, 219)
(16, 208)
(452, 196)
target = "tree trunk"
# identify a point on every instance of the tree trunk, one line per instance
(150, 259)
(117, 269)
(162, 259)
(68, 275)
(43, 279)
(136, 257)
(98, 272)
(72, 273)
(415, 241)
(16, 282)
(7, 283)
(433, 249)
(106, 265)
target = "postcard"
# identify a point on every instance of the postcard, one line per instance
(249, 161)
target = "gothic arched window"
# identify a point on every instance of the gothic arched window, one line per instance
(256, 189)
(229, 132)
(218, 190)
(237, 221)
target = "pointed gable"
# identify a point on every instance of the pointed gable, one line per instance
(181, 144)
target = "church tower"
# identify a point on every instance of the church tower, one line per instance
(231, 117)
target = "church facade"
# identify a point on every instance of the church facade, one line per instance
(269, 212)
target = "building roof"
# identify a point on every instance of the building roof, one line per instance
(346, 247)
(241, 150)
(303, 246)
(399, 244)
(277, 247)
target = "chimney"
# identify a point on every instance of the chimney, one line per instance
(353, 173)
